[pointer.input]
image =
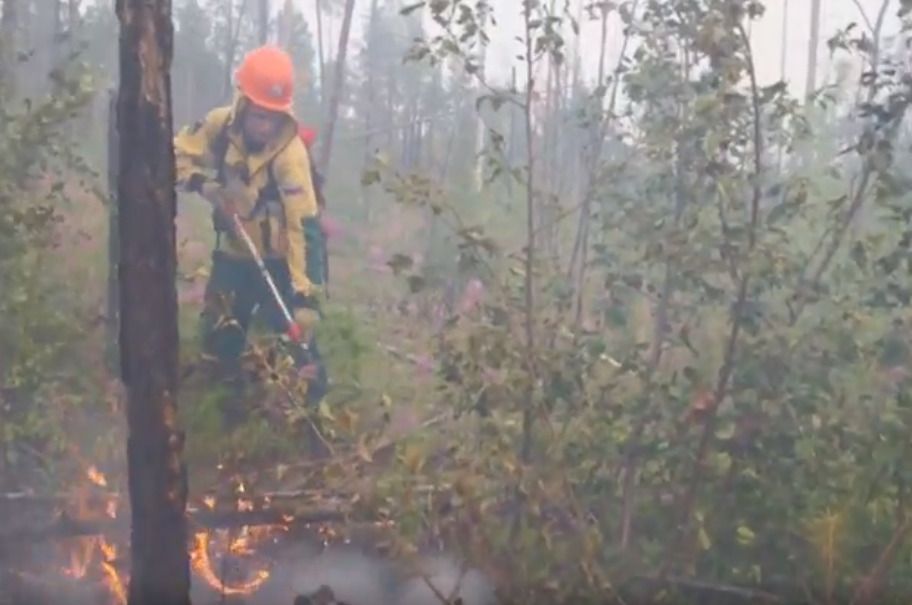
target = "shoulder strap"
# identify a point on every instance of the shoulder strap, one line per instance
(220, 149)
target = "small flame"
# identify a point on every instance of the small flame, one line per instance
(81, 558)
(111, 508)
(115, 583)
(97, 477)
(209, 501)
(202, 565)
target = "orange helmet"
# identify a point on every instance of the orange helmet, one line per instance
(266, 78)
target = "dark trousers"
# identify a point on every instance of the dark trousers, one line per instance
(235, 290)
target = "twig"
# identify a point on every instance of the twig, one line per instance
(731, 347)
(869, 588)
(864, 15)
(701, 588)
(860, 195)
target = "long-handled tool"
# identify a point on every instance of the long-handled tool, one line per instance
(294, 330)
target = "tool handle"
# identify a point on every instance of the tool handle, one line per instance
(294, 330)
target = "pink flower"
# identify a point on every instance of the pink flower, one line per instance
(331, 227)
(472, 296)
(377, 260)
(193, 294)
(424, 363)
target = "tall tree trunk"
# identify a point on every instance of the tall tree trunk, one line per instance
(338, 84)
(232, 36)
(370, 99)
(286, 16)
(72, 15)
(228, 50)
(56, 32)
(813, 45)
(160, 571)
(321, 55)
(9, 25)
(481, 130)
(263, 20)
(783, 57)
(72, 24)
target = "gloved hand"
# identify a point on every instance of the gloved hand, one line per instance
(306, 313)
(223, 205)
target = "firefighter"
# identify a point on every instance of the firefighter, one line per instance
(247, 159)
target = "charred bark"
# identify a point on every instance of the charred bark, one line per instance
(160, 571)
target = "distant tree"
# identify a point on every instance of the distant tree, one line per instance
(9, 25)
(298, 41)
(813, 48)
(197, 72)
(338, 84)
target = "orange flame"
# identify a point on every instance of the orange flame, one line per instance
(97, 477)
(112, 578)
(202, 565)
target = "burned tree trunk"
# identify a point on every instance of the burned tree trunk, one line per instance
(160, 572)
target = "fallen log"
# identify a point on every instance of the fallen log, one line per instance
(65, 526)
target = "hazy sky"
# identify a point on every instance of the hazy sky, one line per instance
(765, 34)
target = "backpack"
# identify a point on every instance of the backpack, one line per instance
(317, 268)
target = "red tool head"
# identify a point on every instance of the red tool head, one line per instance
(307, 135)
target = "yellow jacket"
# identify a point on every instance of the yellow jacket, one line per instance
(283, 201)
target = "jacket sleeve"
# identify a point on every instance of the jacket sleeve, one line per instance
(292, 174)
(193, 157)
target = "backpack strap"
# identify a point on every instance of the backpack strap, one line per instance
(220, 150)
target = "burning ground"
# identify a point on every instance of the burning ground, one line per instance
(243, 549)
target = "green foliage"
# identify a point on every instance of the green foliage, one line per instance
(344, 345)
(42, 325)
(744, 363)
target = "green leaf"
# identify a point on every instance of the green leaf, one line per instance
(745, 535)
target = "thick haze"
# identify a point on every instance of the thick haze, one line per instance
(766, 35)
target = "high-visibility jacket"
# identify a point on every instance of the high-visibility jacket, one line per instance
(279, 195)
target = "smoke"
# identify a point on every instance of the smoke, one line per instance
(450, 580)
(358, 577)
(354, 577)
